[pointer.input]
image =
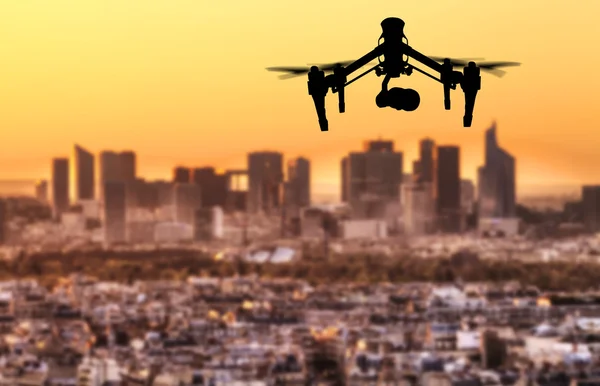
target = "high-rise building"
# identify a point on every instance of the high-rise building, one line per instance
(117, 167)
(265, 181)
(110, 167)
(496, 180)
(213, 186)
(427, 161)
(448, 188)
(181, 175)
(41, 191)
(372, 178)
(467, 196)
(3, 220)
(128, 162)
(590, 199)
(187, 200)
(418, 208)
(115, 211)
(298, 187)
(84, 174)
(344, 179)
(60, 185)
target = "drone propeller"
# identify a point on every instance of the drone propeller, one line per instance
(490, 67)
(293, 72)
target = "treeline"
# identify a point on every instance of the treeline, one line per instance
(179, 264)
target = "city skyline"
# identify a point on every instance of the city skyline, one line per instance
(145, 76)
(318, 193)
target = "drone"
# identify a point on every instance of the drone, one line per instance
(396, 52)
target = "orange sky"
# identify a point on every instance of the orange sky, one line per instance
(183, 82)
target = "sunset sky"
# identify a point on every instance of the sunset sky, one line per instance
(184, 82)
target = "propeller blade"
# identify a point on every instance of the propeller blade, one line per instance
(331, 66)
(291, 70)
(456, 62)
(289, 76)
(495, 72)
(493, 65)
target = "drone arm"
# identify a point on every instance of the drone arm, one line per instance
(422, 58)
(425, 73)
(369, 57)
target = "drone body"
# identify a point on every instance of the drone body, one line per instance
(395, 52)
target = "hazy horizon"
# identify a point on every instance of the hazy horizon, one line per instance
(184, 82)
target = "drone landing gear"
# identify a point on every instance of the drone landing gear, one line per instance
(398, 98)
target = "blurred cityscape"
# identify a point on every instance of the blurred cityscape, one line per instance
(270, 200)
(238, 278)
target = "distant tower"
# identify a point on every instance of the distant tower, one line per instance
(60, 185)
(299, 182)
(181, 175)
(84, 174)
(114, 211)
(496, 184)
(448, 188)
(265, 181)
(188, 199)
(373, 178)
(117, 167)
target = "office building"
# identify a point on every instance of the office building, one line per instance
(118, 167)
(496, 180)
(60, 185)
(448, 189)
(298, 184)
(237, 190)
(426, 165)
(187, 200)
(371, 179)
(181, 175)
(84, 174)
(590, 200)
(128, 161)
(467, 196)
(418, 208)
(115, 210)
(265, 181)
(213, 186)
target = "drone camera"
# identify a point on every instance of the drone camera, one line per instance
(399, 98)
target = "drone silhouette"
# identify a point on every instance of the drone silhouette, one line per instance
(395, 52)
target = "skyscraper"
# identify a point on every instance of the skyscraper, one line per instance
(467, 196)
(213, 186)
(427, 160)
(496, 180)
(114, 211)
(60, 185)
(117, 167)
(448, 188)
(265, 180)
(84, 174)
(372, 178)
(298, 193)
(590, 199)
(181, 175)
(187, 201)
(128, 162)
